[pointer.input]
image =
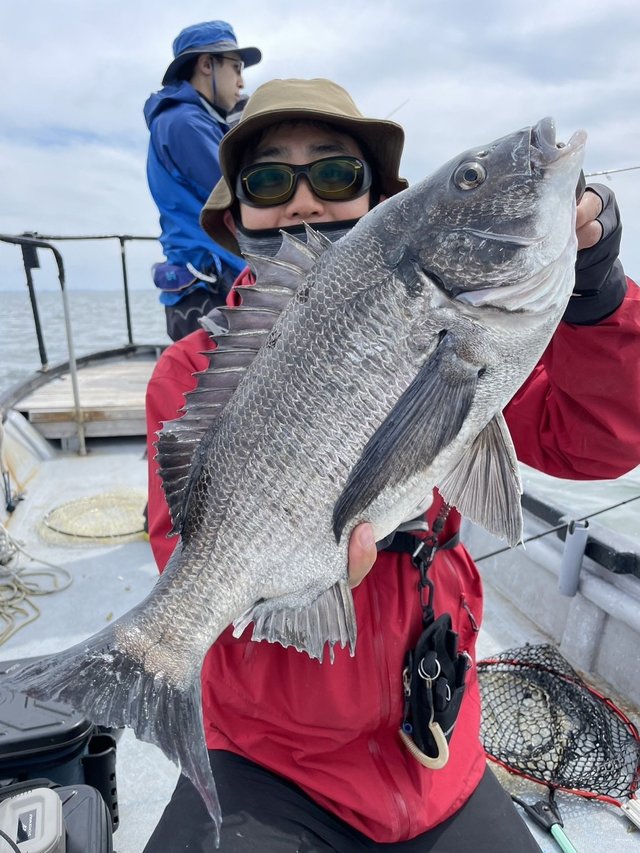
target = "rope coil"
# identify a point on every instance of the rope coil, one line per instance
(19, 584)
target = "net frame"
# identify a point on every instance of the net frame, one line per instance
(106, 518)
(607, 737)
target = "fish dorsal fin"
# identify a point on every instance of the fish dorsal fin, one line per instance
(316, 240)
(330, 619)
(425, 419)
(238, 333)
(485, 484)
(292, 262)
(300, 254)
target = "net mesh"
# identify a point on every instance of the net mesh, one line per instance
(541, 720)
(111, 517)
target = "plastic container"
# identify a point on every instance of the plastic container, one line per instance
(33, 819)
(40, 738)
(41, 817)
(50, 740)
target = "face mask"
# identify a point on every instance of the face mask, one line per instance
(266, 242)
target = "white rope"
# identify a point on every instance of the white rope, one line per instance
(20, 584)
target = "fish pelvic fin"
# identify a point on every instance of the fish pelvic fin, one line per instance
(330, 619)
(426, 418)
(99, 679)
(485, 484)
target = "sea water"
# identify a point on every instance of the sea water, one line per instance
(98, 321)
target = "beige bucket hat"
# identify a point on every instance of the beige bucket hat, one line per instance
(296, 100)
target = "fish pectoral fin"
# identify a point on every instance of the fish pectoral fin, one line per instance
(426, 418)
(329, 619)
(485, 484)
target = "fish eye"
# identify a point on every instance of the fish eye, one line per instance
(469, 175)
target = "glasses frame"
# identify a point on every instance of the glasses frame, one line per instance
(362, 169)
(239, 62)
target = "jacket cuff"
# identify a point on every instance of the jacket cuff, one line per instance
(586, 308)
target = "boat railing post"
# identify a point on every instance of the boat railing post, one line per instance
(125, 282)
(31, 261)
(73, 367)
(572, 557)
(35, 242)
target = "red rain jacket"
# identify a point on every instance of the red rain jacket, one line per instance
(333, 729)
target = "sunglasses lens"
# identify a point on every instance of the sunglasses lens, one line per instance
(268, 184)
(336, 178)
(331, 179)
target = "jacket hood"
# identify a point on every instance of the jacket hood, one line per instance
(175, 93)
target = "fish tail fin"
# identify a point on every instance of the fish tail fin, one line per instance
(101, 680)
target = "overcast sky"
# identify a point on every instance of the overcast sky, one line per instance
(76, 74)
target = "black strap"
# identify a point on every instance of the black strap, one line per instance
(422, 550)
(406, 543)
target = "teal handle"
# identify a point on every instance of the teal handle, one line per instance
(561, 839)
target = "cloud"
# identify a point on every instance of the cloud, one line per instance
(73, 139)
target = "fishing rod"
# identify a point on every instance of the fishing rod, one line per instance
(610, 171)
(395, 109)
(558, 527)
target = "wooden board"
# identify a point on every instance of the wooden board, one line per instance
(112, 396)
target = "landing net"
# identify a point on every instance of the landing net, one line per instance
(542, 721)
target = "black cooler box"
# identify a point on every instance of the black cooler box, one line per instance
(52, 741)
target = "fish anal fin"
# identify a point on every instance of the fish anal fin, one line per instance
(425, 419)
(485, 484)
(330, 619)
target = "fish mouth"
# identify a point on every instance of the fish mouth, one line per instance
(544, 147)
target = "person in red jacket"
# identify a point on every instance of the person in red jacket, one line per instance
(307, 756)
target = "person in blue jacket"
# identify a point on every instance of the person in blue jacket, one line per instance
(187, 119)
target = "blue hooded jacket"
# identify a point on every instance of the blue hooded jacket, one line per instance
(182, 169)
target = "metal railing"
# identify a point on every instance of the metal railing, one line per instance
(29, 243)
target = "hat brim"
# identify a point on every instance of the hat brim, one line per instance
(249, 55)
(383, 142)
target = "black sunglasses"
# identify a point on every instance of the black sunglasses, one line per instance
(335, 178)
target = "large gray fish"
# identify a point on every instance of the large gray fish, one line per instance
(355, 378)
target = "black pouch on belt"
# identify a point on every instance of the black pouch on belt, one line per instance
(434, 672)
(433, 681)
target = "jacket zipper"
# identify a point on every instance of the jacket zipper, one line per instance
(475, 627)
(397, 806)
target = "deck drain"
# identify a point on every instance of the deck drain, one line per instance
(106, 518)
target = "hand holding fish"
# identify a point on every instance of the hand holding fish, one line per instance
(362, 554)
(589, 229)
(600, 283)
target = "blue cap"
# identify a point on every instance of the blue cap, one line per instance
(208, 37)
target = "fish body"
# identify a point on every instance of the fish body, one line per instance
(355, 377)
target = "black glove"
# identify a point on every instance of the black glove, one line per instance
(600, 284)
